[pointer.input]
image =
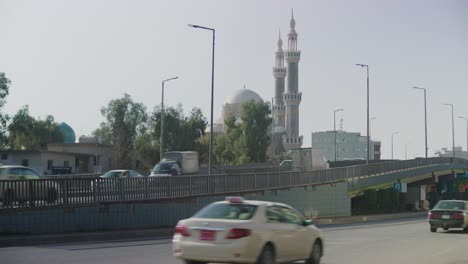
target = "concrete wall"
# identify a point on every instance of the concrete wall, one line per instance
(321, 201)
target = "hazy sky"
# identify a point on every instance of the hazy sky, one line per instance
(69, 58)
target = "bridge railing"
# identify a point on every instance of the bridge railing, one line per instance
(67, 191)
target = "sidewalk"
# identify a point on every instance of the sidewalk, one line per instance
(28, 240)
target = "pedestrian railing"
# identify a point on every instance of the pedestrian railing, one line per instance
(71, 191)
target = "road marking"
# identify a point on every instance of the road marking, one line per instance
(442, 252)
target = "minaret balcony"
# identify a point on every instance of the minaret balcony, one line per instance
(293, 56)
(279, 72)
(279, 108)
(294, 96)
(293, 140)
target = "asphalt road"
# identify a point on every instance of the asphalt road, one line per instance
(395, 241)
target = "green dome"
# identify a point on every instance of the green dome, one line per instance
(68, 133)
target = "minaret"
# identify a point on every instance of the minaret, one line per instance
(279, 73)
(292, 97)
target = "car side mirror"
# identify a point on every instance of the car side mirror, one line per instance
(307, 222)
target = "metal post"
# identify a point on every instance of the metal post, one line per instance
(334, 127)
(453, 131)
(161, 136)
(368, 130)
(425, 118)
(272, 132)
(367, 118)
(212, 96)
(394, 133)
(210, 154)
(161, 141)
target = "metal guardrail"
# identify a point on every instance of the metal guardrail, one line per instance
(71, 191)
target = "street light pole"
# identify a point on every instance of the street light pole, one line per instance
(368, 132)
(272, 131)
(425, 117)
(466, 118)
(161, 136)
(394, 133)
(334, 125)
(453, 130)
(212, 93)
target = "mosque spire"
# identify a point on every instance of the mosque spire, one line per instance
(292, 36)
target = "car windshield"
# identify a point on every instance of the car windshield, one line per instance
(450, 205)
(111, 174)
(163, 167)
(227, 211)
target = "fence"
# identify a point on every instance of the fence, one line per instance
(87, 189)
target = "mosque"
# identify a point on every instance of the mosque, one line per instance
(285, 106)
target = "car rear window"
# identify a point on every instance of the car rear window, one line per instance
(227, 211)
(450, 205)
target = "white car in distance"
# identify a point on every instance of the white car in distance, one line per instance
(246, 231)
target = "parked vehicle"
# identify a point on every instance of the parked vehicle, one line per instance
(106, 185)
(15, 185)
(121, 174)
(241, 231)
(449, 214)
(177, 163)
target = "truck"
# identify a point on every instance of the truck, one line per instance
(177, 163)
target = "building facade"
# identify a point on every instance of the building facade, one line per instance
(349, 145)
(43, 161)
(459, 153)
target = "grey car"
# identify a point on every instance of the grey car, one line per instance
(22, 184)
(449, 214)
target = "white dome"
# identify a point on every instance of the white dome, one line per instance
(242, 96)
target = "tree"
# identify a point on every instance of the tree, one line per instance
(256, 123)
(246, 141)
(104, 133)
(230, 148)
(4, 91)
(147, 150)
(25, 132)
(180, 132)
(126, 120)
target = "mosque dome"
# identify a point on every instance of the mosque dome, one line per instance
(242, 96)
(68, 133)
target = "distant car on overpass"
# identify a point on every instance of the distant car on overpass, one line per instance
(15, 186)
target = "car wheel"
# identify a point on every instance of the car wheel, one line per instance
(267, 256)
(445, 228)
(193, 262)
(8, 197)
(315, 254)
(51, 195)
(433, 229)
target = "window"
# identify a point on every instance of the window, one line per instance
(66, 163)
(277, 214)
(50, 163)
(4, 156)
(227, 211)
(274, 215)
(16, 172)
(291, 216)
(30, 174)
(133, 174)
(25, 162)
